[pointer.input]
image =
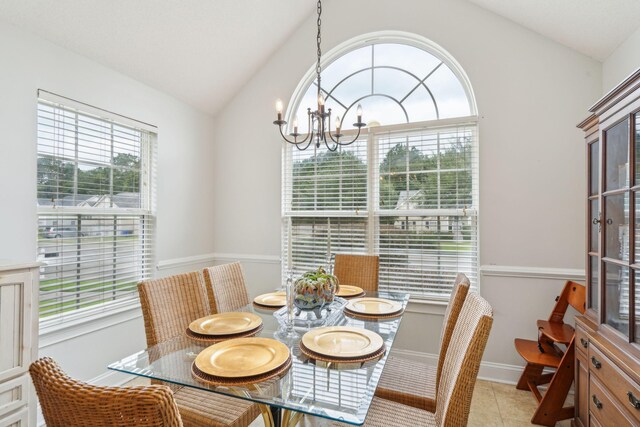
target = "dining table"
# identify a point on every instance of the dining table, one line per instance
(331, 390)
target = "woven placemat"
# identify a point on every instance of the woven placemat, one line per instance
(373, 317)
(213, 380)
(212, 339)
(360, 359)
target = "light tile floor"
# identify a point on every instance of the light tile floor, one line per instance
(493, 405)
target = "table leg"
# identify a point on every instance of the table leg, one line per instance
(290, 418)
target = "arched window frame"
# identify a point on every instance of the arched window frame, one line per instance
(373, 135)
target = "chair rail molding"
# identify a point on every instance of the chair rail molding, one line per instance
(532, 272)
(216, 256)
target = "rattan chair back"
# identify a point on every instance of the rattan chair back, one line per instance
(357, 270)
(460, 290)
(226, 288)
(170, 304)
(462, 362)
(66, 402)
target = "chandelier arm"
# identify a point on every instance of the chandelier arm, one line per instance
(294, 142)
(335, 147)
(298, 146)
(355, 138)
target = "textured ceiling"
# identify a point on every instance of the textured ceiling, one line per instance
(200, 51)
(592, 27)
(203, 51)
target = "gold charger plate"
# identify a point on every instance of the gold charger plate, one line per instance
(347, 291)
(343, 361)
(229, 323)
(371, 306)
(272, 299)
(212, 339)
(242, 357)
(342, 341)
(210, 379)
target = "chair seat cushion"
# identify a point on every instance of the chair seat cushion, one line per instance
(200, 408)
(408, 382)
(384, 413)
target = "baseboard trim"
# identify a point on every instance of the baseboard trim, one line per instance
(533, 272)
(489, 371)
(213, 257)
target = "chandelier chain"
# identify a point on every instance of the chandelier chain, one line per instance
(319, 41)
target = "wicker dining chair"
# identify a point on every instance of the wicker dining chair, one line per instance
(67, 402)
(357, 270)
(459, 374)
(226, 288)
(413, 383)
(168, 306)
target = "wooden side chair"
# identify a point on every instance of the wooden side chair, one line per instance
(546, 353)
(67, 402)
(459, 373)
(226, 288)
(168, 306)
(413, 383)
(357, 270)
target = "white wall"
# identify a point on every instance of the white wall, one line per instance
(622, 62)
(184, 203)
(531, 92)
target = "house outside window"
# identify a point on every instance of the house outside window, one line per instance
(407, 190)
(96, 218)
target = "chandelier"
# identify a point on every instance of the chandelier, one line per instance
(320, 119)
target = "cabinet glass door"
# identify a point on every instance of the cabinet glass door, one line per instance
(593, 265)
(616, 224)
(594, 281)
(616, 282)
(617, 156)
(594, 168)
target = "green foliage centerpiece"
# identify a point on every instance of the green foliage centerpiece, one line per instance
(314, 290)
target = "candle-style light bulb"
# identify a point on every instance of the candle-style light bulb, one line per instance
(295, 124)
(279, 107)
(338, 124)
(321, 104)
(359, 113)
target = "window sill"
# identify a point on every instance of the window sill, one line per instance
(52, 333)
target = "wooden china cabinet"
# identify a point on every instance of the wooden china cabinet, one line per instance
(607, 376)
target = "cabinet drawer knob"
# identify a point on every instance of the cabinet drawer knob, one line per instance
(633, 400)
(596, 401)
(584, 342)
(595, 362)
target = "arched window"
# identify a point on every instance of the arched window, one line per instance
(407, 190)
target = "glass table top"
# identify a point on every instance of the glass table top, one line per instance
(340, 392)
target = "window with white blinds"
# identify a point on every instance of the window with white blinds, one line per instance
(96, 219)
(407, 190)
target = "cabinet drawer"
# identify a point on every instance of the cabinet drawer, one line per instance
(620, 386)
(15, 419)
(582, 340)
(13, 394)
(602, 407)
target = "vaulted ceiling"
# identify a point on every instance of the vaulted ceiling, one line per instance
(593, 27)
(203, 51)
(200, 51)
